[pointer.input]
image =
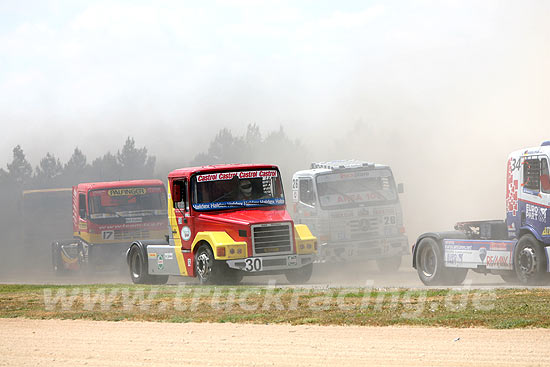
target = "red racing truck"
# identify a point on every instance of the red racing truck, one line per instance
(517, 249)
(107, 217)
(225, 221)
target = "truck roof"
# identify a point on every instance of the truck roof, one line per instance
(339, 165)
(106, 185)
(544, 148)
(186, 172)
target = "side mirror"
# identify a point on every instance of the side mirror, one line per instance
(400, 188)
(176, 192)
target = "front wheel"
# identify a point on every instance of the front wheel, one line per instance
(207, 268)
(530, 261)
(300, 275)
(138, 268)
(429, 262)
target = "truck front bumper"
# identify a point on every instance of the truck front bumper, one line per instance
(273, 263)
(363, 250)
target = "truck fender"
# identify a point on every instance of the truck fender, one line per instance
(217, 239)
(438, 237)
(528, 229)
(142, 246)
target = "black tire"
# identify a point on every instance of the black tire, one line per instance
(138, 267)
(207, 269)
(454, 276)
(57, 262)
(389, 264)
(429, 262)
(299, 276)
(232, 276)
(530, 261)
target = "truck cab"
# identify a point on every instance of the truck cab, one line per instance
(107, 217)
(226, 221)
(517, 248)
(353, 208)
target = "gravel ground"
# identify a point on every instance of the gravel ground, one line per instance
(98, 343)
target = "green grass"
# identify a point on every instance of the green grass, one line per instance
(498, 308)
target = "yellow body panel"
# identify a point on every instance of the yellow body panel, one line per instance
(233, 249)
(306, 242)
(175, 234)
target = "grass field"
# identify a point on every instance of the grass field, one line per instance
(494, 308)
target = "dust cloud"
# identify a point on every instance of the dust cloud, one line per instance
(442, 93)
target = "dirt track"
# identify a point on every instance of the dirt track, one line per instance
(98, 343)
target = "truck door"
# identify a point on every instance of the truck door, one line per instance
(82, 215)
(185, 222)
(535, 196)
(307, 203)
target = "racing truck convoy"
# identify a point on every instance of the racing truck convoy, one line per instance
(354, 210)
(225, 221)
(517, 249)
(107, 217)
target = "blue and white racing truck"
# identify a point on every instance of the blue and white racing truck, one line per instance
(517, 249)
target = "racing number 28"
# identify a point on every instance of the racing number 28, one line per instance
(253, 264)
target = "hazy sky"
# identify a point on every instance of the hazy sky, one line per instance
(444, 89)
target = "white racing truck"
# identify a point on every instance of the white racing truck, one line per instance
(353, 208)
(517, 249)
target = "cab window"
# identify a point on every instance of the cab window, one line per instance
(307, 195)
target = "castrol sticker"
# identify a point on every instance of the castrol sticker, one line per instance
(186, 233)
(221, 176)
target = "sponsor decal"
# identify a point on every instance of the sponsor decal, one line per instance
(153, 254)
(534, 212)
(169, 256)
(186, 233)
(127, 191)
(498, 261)
(160, 262)
(221, 176)
(134, 219)
(238, 203)
(512, 186)
(546, 231)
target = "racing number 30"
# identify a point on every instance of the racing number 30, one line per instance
(253, 264)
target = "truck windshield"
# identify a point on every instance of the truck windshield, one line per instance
(357, 188)
(127, 202)
(230, 190)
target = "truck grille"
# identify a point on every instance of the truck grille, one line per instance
(270, 239)
(134, 234)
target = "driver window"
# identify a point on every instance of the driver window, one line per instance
(82, 206)
(544, 176)
(307, 196)
(184, 202)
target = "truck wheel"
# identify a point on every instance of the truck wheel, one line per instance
(530, 261)
(389, 264)
(299, 276)
(206, 267)
(57, 262)
(429, 262)
(454, 276)
(138, 268)
(232, 276)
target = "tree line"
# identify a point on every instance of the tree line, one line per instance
(132, 162)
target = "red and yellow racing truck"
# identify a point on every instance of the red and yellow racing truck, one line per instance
(107, 217)
(226, 221)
